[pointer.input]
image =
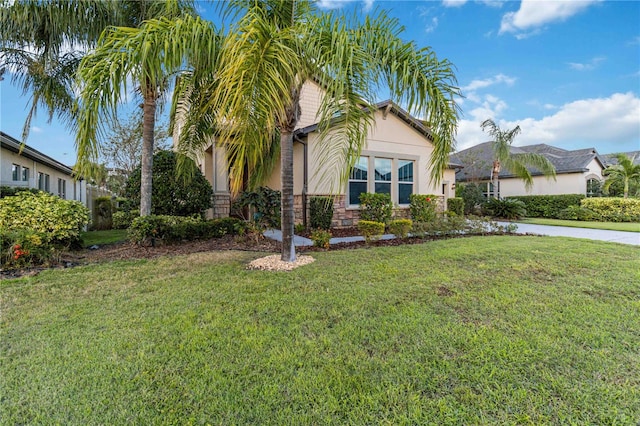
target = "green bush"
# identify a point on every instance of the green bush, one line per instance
(171, 194)
(440, 225)
(456, 205)
(321, 238)
(370, 230)
(321, 212)
(473, 197)
(123, 219)
(59, 221)
(578, 213)
(170, 229)
(423, 207)
(376, 207)
(506, 208)
(614, 209)
(24, 248)
(262, 206)
(102, 213)
(400, 227)
(10, 191)
(548, 206)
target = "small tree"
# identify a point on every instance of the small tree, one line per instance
(625, 174)
(172, 195)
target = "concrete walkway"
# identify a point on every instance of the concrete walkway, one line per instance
(621, 237)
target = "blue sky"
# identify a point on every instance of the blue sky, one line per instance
(566, 72)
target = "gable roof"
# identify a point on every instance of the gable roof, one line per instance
(478, 159)
(14, 145)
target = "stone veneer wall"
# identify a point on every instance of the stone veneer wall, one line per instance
(221, 205)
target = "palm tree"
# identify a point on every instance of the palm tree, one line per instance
(625, 173)
(518, 164)
(277, 45)
(147, 55)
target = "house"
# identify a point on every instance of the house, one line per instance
(24, 167)
(394, 160)
(577, 171)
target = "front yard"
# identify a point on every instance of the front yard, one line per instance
(482, 330)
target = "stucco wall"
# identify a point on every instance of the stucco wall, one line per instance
(310, 98)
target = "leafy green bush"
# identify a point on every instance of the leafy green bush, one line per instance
(423, 207)
(376, 207)
(169, 229)
(614, 209)
(321, 212)
(506, 208)
(548, 205)
(172, 195)
(456, 205)
(440, 225)
(59, 221)
(400, 227)
(102, 213)
(321, 238)
(10, 191)
(578, 213)
(24, 248)
(370, 230)
(473, 197)
(261, 205)
(123, 219)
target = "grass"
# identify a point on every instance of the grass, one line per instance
(493, 330)
(612, 226)
(103, 237)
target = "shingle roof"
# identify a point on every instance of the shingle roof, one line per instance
(610, 159)
(478, 159)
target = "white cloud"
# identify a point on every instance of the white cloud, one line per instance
(614, 121)
(336, 4)
(453, 3)
(534, 14)
(431, 27)
(492, 3)
(36, 129)
(480, 84)
(587, 66)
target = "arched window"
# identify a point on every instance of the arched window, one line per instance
(594, 187)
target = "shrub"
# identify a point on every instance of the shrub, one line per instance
(321, 212)
(440, 225)
(578, 213)
(59, 221)
(400, 227)
(423, 207)
(506, 208)
(123, 219)
(172, 195)
(456, 205)
(262, 206)
(10, 191)
(102, 213)
(370, 230)
(548, 205)
(23, 248)
(169, 229)
(321, 238)
(473, 198)
(614, 209)
(376, 207)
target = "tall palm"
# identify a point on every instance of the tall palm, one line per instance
(42, 43)
(518, 164)
(277, 45)
(625, 172)
(147, 55)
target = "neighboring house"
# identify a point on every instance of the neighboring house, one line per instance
(611, 160)
(25, 167)
(395, 160)
(577, 172)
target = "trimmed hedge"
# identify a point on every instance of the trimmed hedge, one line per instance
(321, 212)
(376, 207)
(423, 207)
(400, 227)
(456, 205)
(370, 230)
(549, 206)
(102, 213)
(170, 229)
(614, 209)
(10, 191)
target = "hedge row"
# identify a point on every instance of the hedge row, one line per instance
(152, 230)
(548, 206)
(614, 209)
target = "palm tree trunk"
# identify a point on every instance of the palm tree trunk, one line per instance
(149, 118)
(626, 188)
(287, 211)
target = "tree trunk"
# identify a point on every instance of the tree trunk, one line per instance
(149, 118)
(626, 188)
(287, 211)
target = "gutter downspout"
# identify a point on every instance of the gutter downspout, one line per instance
(305, 177)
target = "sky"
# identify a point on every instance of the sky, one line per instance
(566, 72)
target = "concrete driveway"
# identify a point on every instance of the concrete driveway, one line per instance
(621, 237)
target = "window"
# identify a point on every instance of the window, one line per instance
(594, 188)
(487, 190)
(43, 181)
(383, 176)
(62, 188)
(15, 172)
(25, 174)
(358, 180)
(405, 181)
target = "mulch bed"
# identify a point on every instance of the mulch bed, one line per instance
(127, 251)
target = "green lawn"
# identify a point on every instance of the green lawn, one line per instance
(104, 237)
(613, 226)
(482, 330)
